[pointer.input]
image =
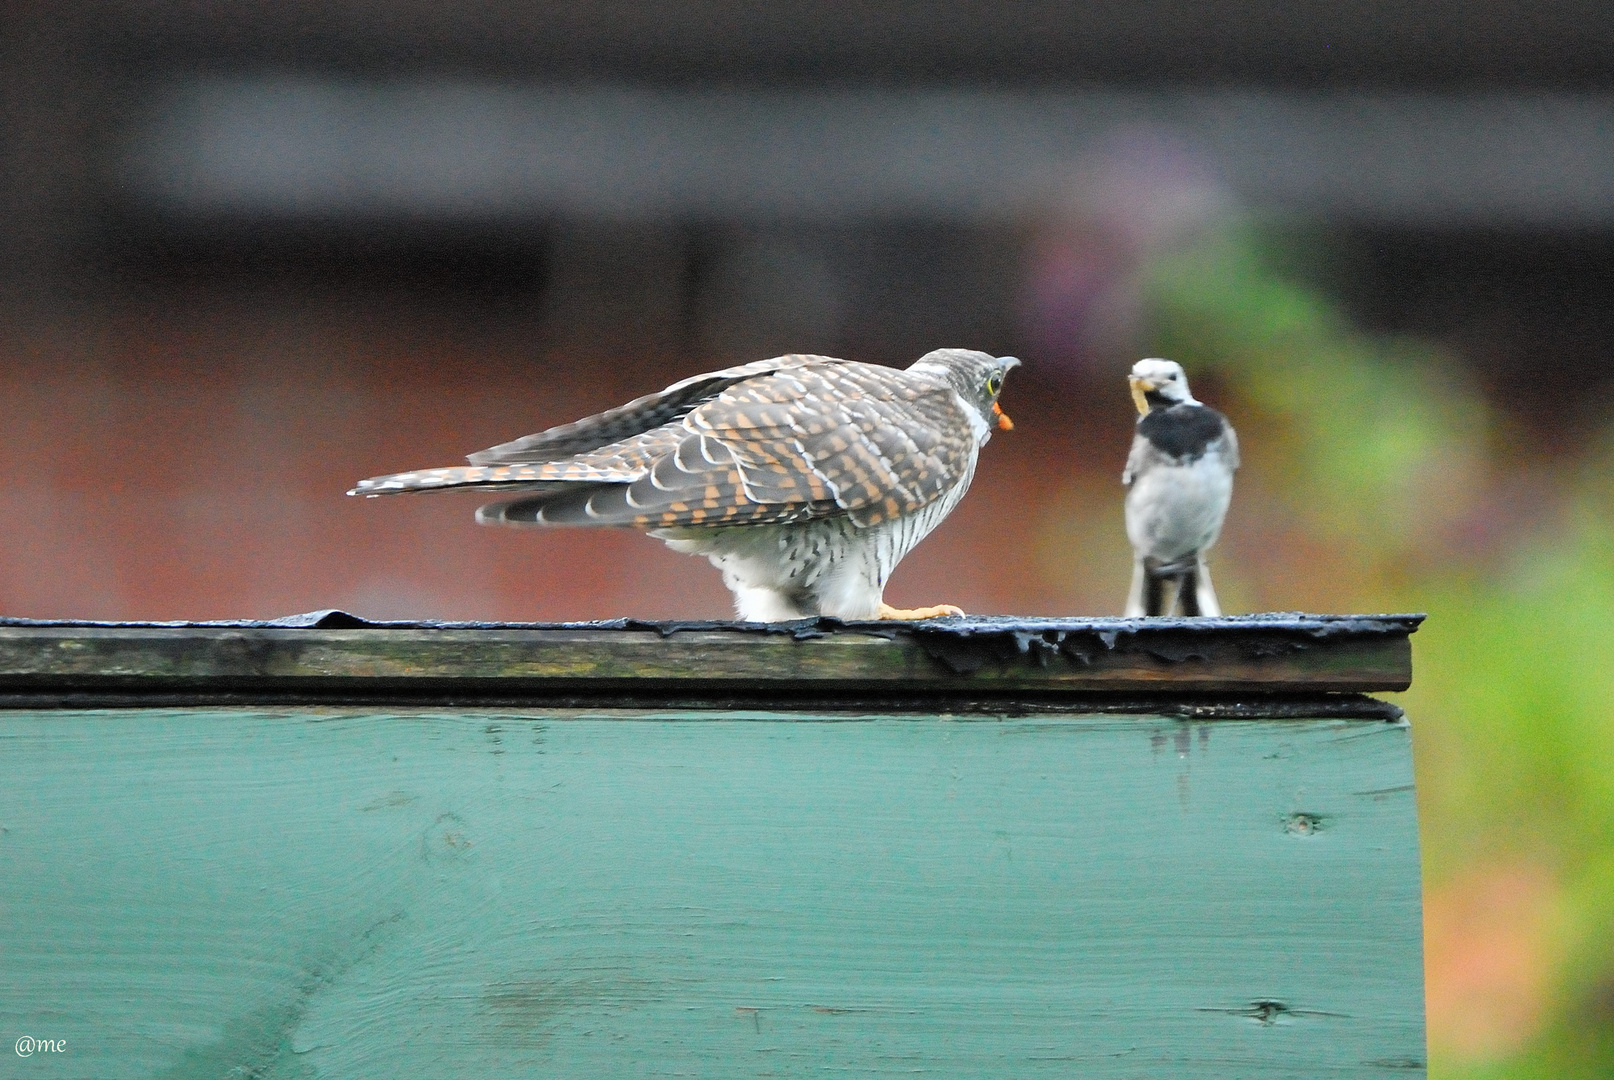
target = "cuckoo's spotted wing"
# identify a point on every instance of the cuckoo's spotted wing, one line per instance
(804, 437)
(818, 440)
(617, 445)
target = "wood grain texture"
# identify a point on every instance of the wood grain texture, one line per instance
(199, 894)
(992, 656)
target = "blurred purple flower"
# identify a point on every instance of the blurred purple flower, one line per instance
(1141, 193)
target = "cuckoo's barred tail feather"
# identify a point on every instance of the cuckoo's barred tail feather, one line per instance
(462, 476)
(630, 461)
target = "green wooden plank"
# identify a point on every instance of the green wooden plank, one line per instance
(190, 894)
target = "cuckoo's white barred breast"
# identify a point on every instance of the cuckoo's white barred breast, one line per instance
(804, 479)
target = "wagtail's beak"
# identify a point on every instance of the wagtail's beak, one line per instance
(1004, 423)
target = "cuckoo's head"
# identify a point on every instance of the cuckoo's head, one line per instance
(978, 378)
(1159, 384)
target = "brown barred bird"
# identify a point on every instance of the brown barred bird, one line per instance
(804, 479)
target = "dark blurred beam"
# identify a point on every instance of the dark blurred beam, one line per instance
(996, 42)
(49, 91)
(298, 149)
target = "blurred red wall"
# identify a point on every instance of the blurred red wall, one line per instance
(186, 457)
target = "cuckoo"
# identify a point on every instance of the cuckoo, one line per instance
(803, 479)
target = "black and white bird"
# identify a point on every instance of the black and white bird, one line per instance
(1180, 480)
(804, 479)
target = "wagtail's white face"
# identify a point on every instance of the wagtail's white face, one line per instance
(1159, 384)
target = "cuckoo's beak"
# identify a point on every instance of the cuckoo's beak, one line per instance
(1004, 423)
(1139, 388)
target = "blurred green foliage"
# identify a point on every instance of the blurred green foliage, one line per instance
(1380, 425)
(1393, 463)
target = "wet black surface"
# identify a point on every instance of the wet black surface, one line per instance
(966, 626)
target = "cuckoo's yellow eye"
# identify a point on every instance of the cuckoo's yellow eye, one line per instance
(994, 383)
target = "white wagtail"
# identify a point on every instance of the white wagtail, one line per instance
(1180, 476)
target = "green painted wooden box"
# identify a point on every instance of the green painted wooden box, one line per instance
(995, 848)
